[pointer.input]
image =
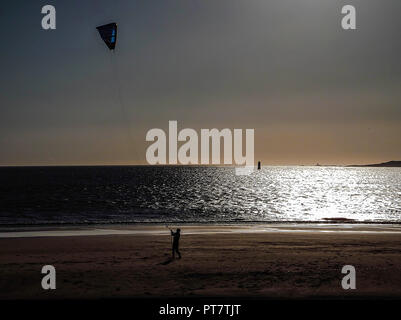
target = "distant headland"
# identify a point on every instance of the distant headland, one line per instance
(383, 164)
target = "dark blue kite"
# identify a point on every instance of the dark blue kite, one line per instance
(108, 32)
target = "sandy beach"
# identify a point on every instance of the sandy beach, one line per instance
(272, 261)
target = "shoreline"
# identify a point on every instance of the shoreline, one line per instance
(159, 229)
(339, 221)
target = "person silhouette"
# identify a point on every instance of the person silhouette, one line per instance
(176, 242)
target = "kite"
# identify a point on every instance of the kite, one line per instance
(108, 32)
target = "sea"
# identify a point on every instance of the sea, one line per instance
(80, 195)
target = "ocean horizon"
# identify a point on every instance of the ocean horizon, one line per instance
(79, 195)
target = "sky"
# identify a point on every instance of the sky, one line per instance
(313, 92)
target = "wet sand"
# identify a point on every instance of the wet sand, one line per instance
(273, 261)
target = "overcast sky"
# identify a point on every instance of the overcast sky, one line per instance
(312, 91)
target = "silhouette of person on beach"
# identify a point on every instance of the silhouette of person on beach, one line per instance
(176, 242)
